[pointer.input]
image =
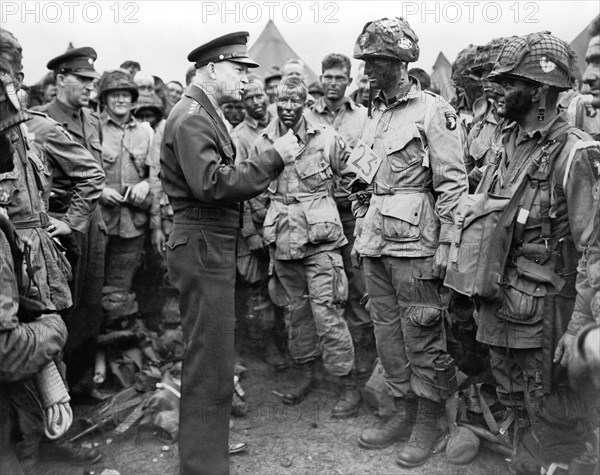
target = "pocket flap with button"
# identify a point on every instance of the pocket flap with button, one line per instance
(408, 210)
(324, 225)
(109, 156)
(311, 166)
(403, 136)
(177, 239)
(424, 316)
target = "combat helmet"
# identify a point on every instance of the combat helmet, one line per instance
(538, 57)
(391, 38)
(487, 55)
(117, 80)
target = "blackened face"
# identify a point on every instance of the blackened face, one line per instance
(515, 101)
(255, 101)
(334, 82)
(384, 74)
(290, 105)
(234, 112)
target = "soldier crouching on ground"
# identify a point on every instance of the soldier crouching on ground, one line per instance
(305, 233)
(404, 236)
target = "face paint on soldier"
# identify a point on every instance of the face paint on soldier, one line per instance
(516, 99)
(384, 74)
(73, 90)
(592, 73)
(290, 105)
(255, 102)
(118, 104)
(334, 82)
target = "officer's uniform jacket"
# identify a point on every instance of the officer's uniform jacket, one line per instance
(518, 318)
(76, 175)
(197, 161)
(83, 125)
(303, 219)
(421, 146)
(125, 151)
(161, 212)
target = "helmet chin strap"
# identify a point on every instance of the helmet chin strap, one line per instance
(542, 103)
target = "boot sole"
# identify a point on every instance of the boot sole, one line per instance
(404, 464)
(367, 445)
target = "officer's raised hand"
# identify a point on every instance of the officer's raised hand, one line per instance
(287, 146)
(440, 260)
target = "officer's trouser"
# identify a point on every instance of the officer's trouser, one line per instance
(407, 312)
(358, 319)
(85, 318)
(317, 287)
(202, 263)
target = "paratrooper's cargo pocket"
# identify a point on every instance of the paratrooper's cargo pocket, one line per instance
(401, 219)
(523, 300)
(324, 225)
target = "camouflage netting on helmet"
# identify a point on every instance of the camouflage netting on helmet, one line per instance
(118, 80)
(461, 68)
(391, 38)
(488, 54)
(149, 101)
(538, 57)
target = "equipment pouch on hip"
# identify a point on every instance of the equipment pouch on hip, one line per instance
(324, 225)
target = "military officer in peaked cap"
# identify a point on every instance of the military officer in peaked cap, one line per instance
(75, 80)
(205, 188)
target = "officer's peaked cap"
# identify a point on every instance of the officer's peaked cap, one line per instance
(78, 61)
(230, 47)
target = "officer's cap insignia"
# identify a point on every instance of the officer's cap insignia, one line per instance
(450, 120)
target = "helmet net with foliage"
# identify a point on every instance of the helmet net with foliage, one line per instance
(461, 68)
(538, 57)
(117, 80)
(391, 38)
(149, 101)
(487, 55)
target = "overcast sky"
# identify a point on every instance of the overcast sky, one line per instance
(160, 34)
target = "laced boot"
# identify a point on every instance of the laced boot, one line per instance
(424, 435)
(347, 404)
(396, 429)
(299, 392)
(273, 357)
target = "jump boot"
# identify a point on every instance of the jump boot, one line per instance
(347, 404)
(299, 392)
(424, 435)
(272, 356)
(396, 429)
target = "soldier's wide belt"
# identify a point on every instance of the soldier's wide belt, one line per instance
(206, 215)
(291, 198)
(39, 220)
(381, 189)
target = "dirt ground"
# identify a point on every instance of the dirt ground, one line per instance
(281, 439)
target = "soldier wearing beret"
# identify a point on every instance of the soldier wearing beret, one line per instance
(205, 188)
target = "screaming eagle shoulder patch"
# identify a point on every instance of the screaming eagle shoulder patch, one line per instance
(450, 120)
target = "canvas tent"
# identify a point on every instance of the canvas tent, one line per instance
(271, 49)
(441, 77)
